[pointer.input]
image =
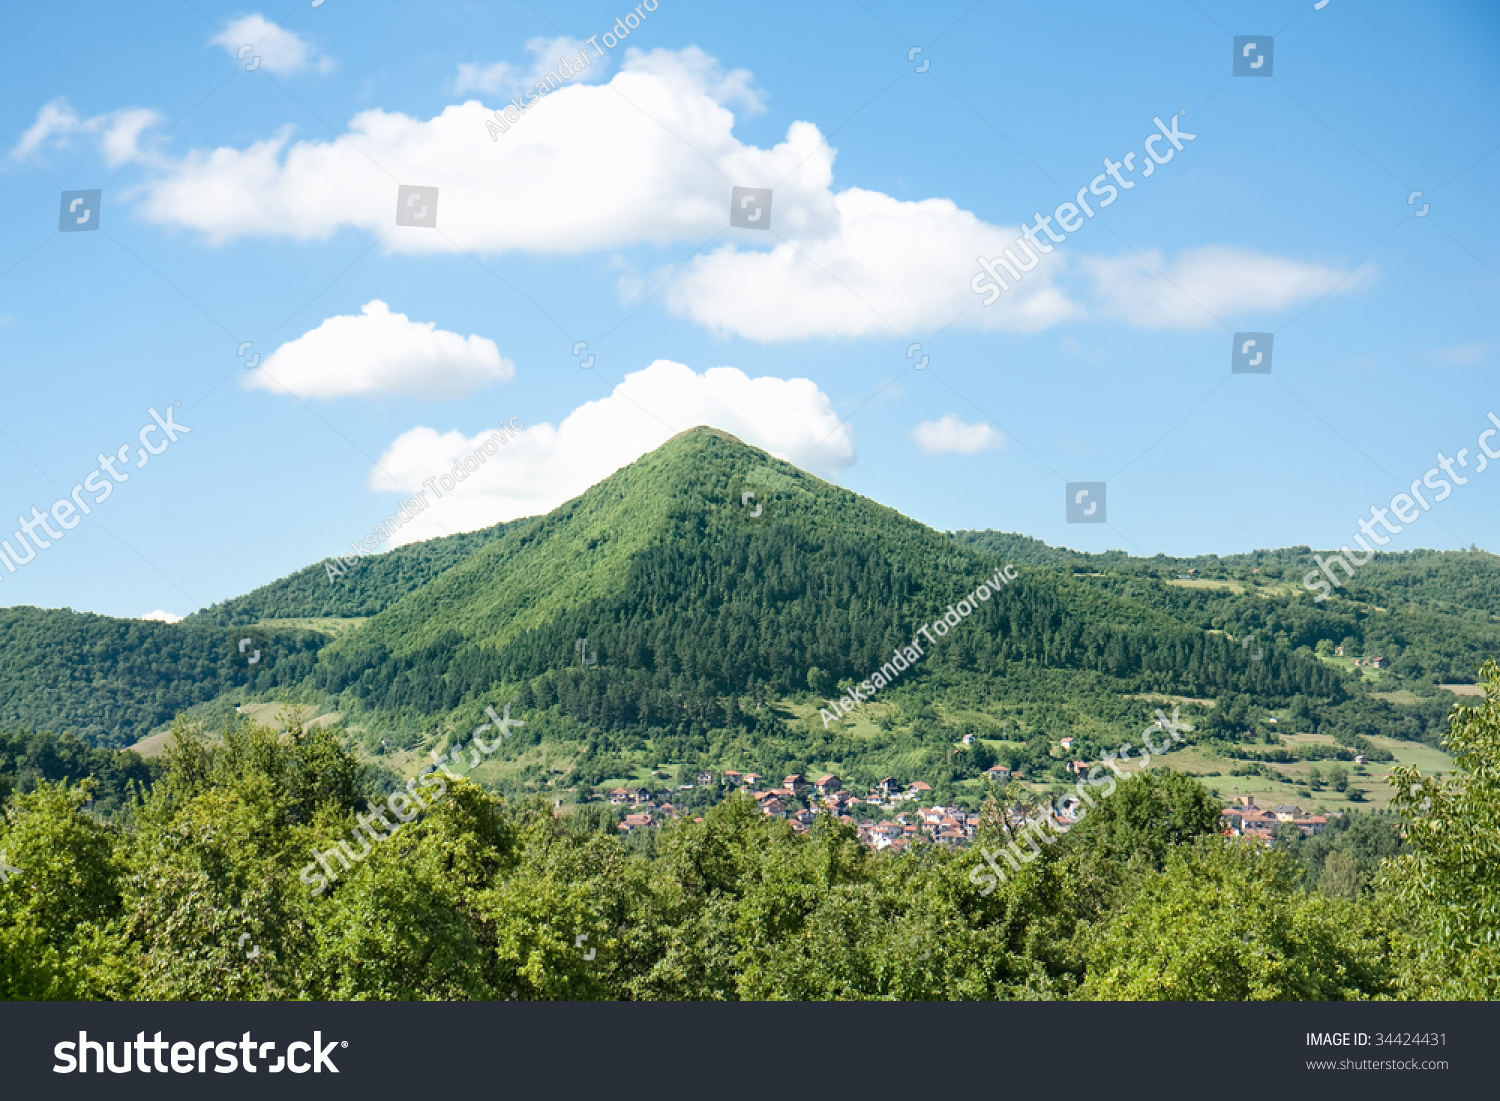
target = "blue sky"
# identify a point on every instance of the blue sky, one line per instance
(253, 199)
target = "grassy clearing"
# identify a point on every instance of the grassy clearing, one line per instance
(1235, 587)
(333, 627)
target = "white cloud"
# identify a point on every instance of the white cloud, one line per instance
(667, 142)
(546, 465)
(378, 352)
(162, 617)
(280, 50)
(1216, 279)
(118, 133)
(883, 267)
(844, 263)
(502, 79)
(948, 435)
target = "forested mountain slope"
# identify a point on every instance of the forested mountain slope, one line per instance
(365, 587)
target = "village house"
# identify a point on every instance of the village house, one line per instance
(827, 785)
(998, 773)
(796, 783)
(1250, 820)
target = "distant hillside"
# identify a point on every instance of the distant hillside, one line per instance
(110, 681)
(717, 625)
(700, 614)
(1432, 613)
(28, 759)
(1452, 581)
(367, 587)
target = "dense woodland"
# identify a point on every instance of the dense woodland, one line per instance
(112, 681)
(477, 898)
(363, 588)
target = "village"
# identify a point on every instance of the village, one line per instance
(890, 815)
(799, 801)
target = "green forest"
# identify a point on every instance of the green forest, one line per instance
(654, 627)
(199, 889)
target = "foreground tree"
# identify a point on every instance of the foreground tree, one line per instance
(1225, 921)
(1444, 896)
(62, 893)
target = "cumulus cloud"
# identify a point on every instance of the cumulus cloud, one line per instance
(668, 144)
(162, 617)
(377, 352)
(881, 266)
(949, 435)
(280, 51)
(546, 465)
(851, 262)
(1216, 279)
(118, 133)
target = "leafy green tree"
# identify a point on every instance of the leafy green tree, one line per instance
(66, 890)
(411, 920)
(820, 681)
(1449, 884)
(1224, 921)
(1342, 876)
(213, 904)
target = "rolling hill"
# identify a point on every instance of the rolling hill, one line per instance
(724, 595)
